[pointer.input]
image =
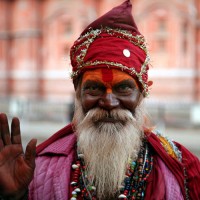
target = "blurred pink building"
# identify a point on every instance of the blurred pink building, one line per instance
(35, 37)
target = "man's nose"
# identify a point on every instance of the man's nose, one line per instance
(109, 101)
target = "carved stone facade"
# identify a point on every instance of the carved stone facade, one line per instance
(173, 33)
(35, 37)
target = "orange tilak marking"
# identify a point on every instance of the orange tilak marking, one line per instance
(115, 76)
(109, 90)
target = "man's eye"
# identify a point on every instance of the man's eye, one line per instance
(90, 88)
(123, 88)
(93, 90)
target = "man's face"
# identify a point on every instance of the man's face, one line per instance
(109, 89)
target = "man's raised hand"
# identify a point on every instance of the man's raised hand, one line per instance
(16, 167)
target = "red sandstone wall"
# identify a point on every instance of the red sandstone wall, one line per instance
(35, 37)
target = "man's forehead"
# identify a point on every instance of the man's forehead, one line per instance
(106, 75)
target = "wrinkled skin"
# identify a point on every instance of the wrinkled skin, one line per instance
(121, 91)
(16, 167)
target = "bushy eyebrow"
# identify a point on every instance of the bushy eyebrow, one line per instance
(102, 84)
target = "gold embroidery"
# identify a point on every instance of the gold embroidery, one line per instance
(167, 146)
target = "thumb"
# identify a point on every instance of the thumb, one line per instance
(30, 153)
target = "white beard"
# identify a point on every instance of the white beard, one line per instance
(107, 147)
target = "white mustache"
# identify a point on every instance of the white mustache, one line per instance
(118, 115)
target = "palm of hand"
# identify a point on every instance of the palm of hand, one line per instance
(16, 167)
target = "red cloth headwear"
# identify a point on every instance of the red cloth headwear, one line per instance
(112, 41)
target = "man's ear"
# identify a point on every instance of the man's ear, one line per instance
(76, 83)
(141, 97)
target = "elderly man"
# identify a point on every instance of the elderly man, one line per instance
(108, 151)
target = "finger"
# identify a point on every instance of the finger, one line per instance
(30, 153)
(15, 131)
(1, 141)
(5, 133)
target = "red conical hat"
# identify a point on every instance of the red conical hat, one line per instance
(119, 17)
(112, 41)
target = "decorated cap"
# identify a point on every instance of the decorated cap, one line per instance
(112, 41)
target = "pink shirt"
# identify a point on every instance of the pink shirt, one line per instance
(55, 156)
(52, 174)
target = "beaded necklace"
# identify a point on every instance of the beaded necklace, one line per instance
(134, 184)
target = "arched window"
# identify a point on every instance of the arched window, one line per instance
(184, 35)
(162, 35)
